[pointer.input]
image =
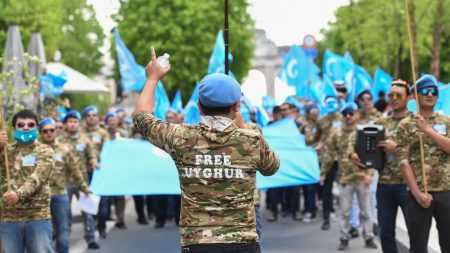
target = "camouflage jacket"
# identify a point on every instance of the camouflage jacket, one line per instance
(329, 123)
(255, 127)
(216, 168)
(340, 145)
(64, 168)
(366, 118)
(97, 136)
(84, 154)
(312, 132)
(30, 168)
(391, 173)
(437, 162)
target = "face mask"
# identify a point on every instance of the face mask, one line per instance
(25, 137)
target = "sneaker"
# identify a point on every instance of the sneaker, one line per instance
(370, 244)
(102, 233)
(309, 217)
(343, 245)
(326, 225)
(159, 225)
(273, 218)
(332, 217)
(296, 216)
(93, 245)
(121, 225)
(142, 221)
(354, 232)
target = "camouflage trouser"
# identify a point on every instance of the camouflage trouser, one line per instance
(222, 248)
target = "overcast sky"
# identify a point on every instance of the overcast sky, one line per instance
(285, 21)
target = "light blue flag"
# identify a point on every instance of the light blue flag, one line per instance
(162, 104)
(245, 113)
(296, 70)
(299, 163)
(382, 81)
(443, 103)
(132, 74)
(328, 87)
(362, 81)
(268, 103)
(217, 59)
(191, 110)
(134, 167)
(315, 90)
(294, 101)
(338, 68)
(177, 103)
(261, 117)
(349, 57)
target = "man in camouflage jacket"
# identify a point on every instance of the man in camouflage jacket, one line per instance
(26, 224)
(422, 206)
(217, 162)
(64, 168)
(85, 160)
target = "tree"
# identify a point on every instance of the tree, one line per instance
(82, 37)
(66, 25)
(437, 36)
(186, 30)
(381, 28)
(32, 15)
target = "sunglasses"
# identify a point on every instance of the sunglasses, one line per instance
(365, 99)
(395, 96)
(345, 114)
(28, 124)
(47, 131)
(425, 92)
(342, 90)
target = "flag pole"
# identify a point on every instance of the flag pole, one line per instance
(225, 30)
(413, 64)
(5, 148)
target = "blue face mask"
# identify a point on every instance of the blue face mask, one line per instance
(25, 137)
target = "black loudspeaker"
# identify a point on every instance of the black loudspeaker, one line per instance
(367, 138)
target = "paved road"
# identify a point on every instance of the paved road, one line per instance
(284, 236)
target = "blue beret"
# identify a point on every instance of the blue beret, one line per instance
(425, 81)
(109, 115)
(350, 106)
(72, 114)
(219, 90)
(89, 109)
(120, 109)
(360, 92)
(308, 108)
(46, 121)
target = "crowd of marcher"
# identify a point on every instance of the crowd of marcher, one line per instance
(45, 175)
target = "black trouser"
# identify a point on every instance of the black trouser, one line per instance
(139, 203)
(159, 206)
(419, 220)
(275, 199)
(327, 192)
(222, 248)
(293, 198)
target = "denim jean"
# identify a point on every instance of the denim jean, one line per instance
(389, 198)
(88, 219)
(60, 209)
(258, 221)
(310, 198)
(33, 236)
(102, 215)
(222, 248)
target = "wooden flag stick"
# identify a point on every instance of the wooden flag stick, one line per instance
(5, 147)
(413, 64)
